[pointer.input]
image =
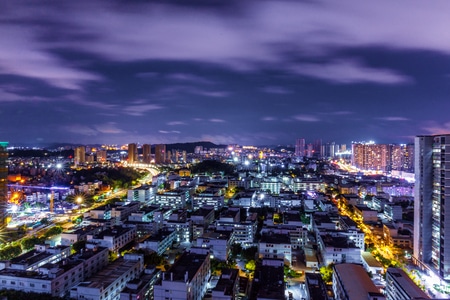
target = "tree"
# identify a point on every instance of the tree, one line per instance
(78, 246)
(251, 265)
(29, 243)
(249, 253)
(326, 272)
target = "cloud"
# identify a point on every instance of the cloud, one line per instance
(259, 35)
(306, 118)
(80, 130)
(216, 120)
(269, 118)
(109, 128)
(192, 78)
(276, 90)
(435, 128)
(25, 55)
(140, 110)
(350, 71)
(393, 119)
(174, 123)
(167, 132)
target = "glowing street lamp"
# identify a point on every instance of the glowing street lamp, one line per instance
(79, 200)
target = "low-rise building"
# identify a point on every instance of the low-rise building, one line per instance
(227, 287)
(159, 242)
(400, 287)
(351, 282)
(186, 279)
(113, 238)
(111, 280)
(277, 246)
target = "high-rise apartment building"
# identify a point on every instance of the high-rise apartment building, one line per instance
(80, 155)
(3, 182)
(160, 154)
(101, 156)
(300, 147)
(432, 203)
(146, 153)
(370, 156)
(132, 153)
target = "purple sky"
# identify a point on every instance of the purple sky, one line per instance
(246, 72)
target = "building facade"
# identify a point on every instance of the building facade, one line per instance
(432, 203)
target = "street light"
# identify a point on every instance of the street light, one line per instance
(79, 201)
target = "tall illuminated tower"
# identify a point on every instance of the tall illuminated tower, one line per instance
(300, 147)
(80, 155)
(3, 182)
(432, 203)
(160, 154)
(132, 153)
(147, 153)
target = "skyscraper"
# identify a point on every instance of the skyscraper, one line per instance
(3, 182)
(80, 155)
(160, 154)
(132, 153)
(432, 203)
(147, 153)
(300, 147)
(370, 156)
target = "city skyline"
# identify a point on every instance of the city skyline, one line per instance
(258, 72)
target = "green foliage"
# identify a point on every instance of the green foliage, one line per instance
(115, 177)
(326, 272)
(218, 265)
(236, 249)
(29, 243)
(249, 253)
(290, 273)
(251, 265)
(78, 246)
(213, 166)
(10, 252)
(52, 231)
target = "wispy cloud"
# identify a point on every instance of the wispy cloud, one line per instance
(393, 119)
(171, 131)
(140, 110)
(216, 120)
(109, 128)
(192, 78)
(269, 118)
(174, 123)
(350, 71)
(306, 118)
(279, 90)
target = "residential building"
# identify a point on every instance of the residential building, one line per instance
(132, 153)
(227, 287)
(3, 182)
(159, 242)
(108, 283)
(400, 287)
(277, 246)
(174, 198)
(432, 203)
(300, 147)
(146, 153)
(160, 154)
(113, 238)
(351, 282)
(187, 278)
(79, 155)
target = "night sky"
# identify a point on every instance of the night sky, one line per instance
(245, 72)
